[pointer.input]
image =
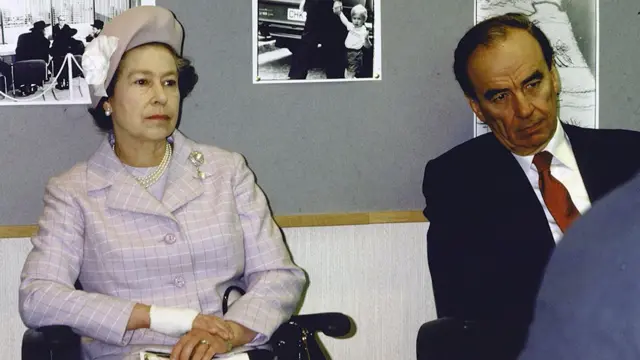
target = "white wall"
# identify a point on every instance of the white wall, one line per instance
(377, 274)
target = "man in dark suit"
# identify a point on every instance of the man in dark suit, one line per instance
(321, 27)
(497, 204)
(96, 29)
(65, 44)
(33, 45)
(62, 22)
(588, 306)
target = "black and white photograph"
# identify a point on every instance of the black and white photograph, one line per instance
(42, 43)
(572, 29)
(316, 41)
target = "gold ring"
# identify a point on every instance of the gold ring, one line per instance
(229, 346)
(204, 342)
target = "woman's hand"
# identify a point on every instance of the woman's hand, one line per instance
(213, 325)
(241, 334)
(199, 345)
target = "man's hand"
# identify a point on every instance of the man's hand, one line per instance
(213, 325)
(337, 7)
(198, 345)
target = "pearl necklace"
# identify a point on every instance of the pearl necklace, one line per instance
(152, 178)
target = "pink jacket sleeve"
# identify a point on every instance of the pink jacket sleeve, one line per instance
(47, 295)
(274, 282)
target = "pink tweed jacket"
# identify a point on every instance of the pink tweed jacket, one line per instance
(125, 246)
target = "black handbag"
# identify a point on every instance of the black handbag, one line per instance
(304, 329)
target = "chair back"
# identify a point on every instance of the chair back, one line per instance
(27, 72)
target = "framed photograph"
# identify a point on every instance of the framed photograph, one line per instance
(573, 30)
(316, 41)
(41, 48)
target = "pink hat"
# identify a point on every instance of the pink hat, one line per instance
(134, 27)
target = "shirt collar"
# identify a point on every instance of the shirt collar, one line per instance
(559, 147)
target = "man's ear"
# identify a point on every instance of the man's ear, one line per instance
(555, 79)
(475, 106)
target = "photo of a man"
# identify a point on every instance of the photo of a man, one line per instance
(41, 48)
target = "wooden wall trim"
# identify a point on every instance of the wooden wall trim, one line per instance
(284, 221)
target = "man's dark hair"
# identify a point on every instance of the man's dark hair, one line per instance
(187, 80)
(487, 32)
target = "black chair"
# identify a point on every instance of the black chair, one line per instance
(3, 89)
(62, 79)
(27, 73)
(445, 339)
(455, 339)
(293, 338)
(5, 77)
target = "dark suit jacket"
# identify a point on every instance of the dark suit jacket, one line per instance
(489, 240)
(32, 46)
(55, 30)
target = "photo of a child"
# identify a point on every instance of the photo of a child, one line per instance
(357, 38)
(316, 41)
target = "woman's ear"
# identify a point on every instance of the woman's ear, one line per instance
(107, 108)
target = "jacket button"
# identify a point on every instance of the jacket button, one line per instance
(170, 238)
(179, 281)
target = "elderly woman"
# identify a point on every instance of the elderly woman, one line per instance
(155, 226)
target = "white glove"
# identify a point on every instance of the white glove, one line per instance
(171, 321)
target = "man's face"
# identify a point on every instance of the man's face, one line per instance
(516, 92)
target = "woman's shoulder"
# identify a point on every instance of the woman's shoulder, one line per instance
(72, 179)
(216, 155)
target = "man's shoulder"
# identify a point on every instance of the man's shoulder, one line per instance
(458, 167)
(605, 143)
(615, 137)
(468, 154)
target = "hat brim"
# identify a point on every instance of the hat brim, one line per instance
(40, 28)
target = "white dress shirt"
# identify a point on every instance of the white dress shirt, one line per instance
(564, 168)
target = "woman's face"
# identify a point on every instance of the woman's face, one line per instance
(146, 99)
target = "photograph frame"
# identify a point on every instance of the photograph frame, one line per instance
(32, 73)
(258, 76)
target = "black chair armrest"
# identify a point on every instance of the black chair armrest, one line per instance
(55, 342)
(444, 338)
(456, 339)
(332, 324)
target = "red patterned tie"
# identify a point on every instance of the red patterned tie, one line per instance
(555, 195)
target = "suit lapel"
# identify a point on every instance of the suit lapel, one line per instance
(123, 192)
(183, 185)
(515, 202)
(586, 154)
(128, 195)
